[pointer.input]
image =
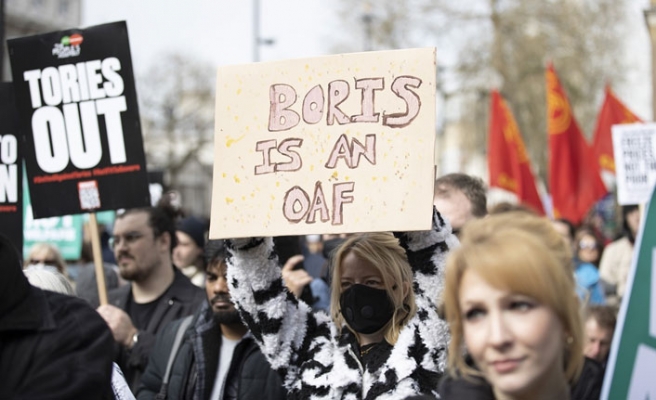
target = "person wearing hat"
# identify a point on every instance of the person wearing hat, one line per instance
(53, 346)
(191, 233)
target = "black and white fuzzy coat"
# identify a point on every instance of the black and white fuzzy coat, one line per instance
(314, 360)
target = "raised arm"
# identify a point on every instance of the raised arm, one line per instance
(427, 252)
(281, 325)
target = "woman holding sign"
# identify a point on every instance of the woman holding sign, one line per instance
(383, 340)
(511, 303)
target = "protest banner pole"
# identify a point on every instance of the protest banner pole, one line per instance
(97, 259)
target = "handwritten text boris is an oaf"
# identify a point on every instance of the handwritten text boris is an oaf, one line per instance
(297, 204)
(87, 90)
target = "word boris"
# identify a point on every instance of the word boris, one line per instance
(8, 169)
(85, 91)
(282, 97)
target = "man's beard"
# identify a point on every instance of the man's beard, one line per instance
(134, 273)
(225, 317)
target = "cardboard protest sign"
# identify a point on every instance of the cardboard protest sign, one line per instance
(630, 368)
(11, 202)
(634, 148)
(332, 144)
(78, 108)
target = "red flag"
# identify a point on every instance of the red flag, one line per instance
(508, 162)
(612, 112)
(574, 178)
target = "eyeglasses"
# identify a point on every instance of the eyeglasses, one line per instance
(587, 245)
(129, 239)
(36, 261)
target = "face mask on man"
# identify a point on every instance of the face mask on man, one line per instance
(366, 309)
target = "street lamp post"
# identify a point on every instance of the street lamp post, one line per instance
(257, 39)
(256, 30)
(650, 18)
(367, 19)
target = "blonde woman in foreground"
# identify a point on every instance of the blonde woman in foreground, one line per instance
(514, 316)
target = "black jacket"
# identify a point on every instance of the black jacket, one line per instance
(587, 387)
(54, 346)
(194, 371)
(182, 298)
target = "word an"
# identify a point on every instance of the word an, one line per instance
(283, 96)
(297, 205)
(8, 169)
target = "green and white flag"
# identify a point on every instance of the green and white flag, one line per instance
(631, 370)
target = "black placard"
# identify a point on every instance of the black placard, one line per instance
(77, 103)
(11, 171)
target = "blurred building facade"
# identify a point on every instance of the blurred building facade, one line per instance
(31, 17)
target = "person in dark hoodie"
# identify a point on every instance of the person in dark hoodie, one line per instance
(51, 345)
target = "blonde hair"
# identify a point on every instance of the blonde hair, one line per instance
(53, 254)
(523, 254)
(382, 250)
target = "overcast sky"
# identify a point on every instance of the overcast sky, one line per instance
(220, 32)
(217, 31)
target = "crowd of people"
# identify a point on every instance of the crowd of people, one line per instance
(475, 308)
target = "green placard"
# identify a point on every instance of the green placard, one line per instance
(631, 369)
(64, 232)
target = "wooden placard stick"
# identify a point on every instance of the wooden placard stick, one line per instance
(97, 259)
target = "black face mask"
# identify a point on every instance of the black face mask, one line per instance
(366, 309)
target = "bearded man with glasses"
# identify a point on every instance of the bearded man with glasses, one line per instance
(158, 292)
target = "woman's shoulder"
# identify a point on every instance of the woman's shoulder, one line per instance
(618, 244)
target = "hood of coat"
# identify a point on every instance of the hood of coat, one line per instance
(14, 287)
